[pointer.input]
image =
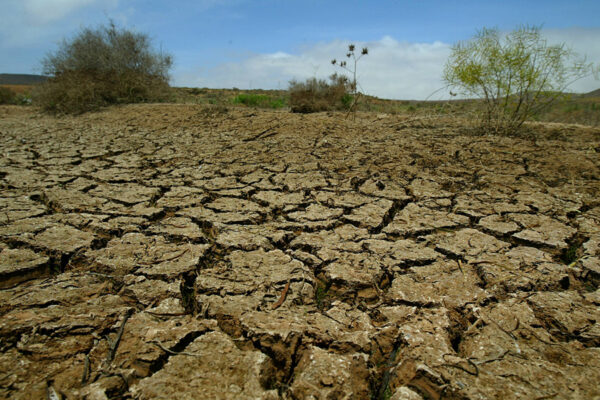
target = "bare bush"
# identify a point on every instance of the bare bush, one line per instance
(103, 66)
(315, 95)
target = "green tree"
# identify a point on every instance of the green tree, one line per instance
(103, 66)
(516, 75)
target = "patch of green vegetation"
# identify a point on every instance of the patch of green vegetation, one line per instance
(525, 61)
(589, 287)
(570, 107)
(387, 394)
(580, 109)
(321, 295)
(570, 254)
(347, 100)
(258, 100)
(277, 103)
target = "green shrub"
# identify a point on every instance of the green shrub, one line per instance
(517, 75)
(23, 99)
(100, 67)
(7, 95)
(277, 103)
(315, 95)
(348, 100)
(258, 100)
(250, 100)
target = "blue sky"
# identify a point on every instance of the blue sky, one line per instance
(265, 43)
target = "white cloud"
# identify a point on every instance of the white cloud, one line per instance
(393, 69)
(585, 42)
(41, 22)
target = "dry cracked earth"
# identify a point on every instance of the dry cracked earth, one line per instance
(186, 252)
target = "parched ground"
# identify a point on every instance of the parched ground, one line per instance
(186, 252)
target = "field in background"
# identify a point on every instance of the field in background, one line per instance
(581, 109)
(578, 109)
(19, 89)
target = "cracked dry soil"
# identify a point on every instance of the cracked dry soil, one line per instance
(182, 252)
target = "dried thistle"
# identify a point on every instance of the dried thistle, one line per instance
(343, 64)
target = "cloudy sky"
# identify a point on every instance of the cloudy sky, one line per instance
(266, 43)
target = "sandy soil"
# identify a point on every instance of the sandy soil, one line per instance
(189, 252)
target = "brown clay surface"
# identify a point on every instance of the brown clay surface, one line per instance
(185, 252)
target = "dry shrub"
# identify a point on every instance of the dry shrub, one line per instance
(315, 95)
(100, 67)
(7, 95)
(76, 92)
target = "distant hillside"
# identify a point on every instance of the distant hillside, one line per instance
(21, 79)
(594, 93)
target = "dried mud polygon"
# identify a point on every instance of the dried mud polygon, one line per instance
(169, 251)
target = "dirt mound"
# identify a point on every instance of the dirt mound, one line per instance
(174, 251)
